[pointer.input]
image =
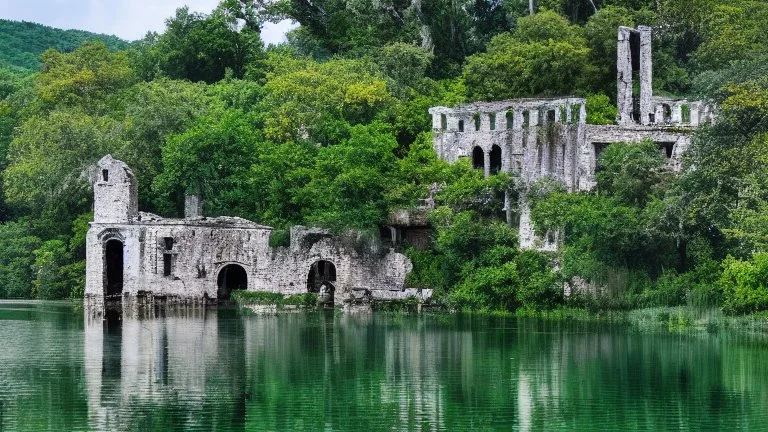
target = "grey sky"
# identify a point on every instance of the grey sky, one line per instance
(128, 19)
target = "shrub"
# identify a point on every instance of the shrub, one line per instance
(279, 238)
(244, 297)
(600, 111)
(744, 284)
(305, 299)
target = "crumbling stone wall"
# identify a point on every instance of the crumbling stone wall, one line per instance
(550, 138)
(358, 268)
(182, 259)
(537, 137)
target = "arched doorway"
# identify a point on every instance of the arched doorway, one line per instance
(495, 159)
(321, 279)
(478, 158)
(231, 277)
(113, 266)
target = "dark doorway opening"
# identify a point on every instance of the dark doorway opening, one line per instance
(113, 261)
(667, 148)
(478, 158)
(495, 159)
(320, 272)
(321, 278)
(232, 277)
(599, 149)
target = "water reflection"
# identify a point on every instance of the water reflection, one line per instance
(197, 369)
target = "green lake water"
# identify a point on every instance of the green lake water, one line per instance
(61, 369)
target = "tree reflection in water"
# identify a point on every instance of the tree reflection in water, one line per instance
(198, 369)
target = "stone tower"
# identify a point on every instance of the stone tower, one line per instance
(634, 62)
(115, 193)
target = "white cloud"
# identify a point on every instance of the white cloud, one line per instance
(128, 19)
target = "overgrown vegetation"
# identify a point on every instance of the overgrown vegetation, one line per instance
(245, 298)
(332, 130)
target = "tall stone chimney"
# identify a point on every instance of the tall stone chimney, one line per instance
(634, 57)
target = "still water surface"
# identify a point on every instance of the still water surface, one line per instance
(220, 370)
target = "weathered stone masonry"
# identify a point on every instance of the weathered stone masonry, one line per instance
(134, 254)
(536, 138)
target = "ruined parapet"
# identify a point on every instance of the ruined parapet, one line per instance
(528, 138)
(680, 112)
(115, 192)
(193, 206)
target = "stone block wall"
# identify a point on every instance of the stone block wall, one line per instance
(131, 254)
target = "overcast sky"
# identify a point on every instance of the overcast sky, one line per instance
(128, 19)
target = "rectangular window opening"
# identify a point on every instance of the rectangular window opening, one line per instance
(526, 119)
(105, 175)
(443, 122)
(551, 116)
(461, 125)
(575, 113)
(599, 149)
(492, 121)
(477, 121)
(168, 241)
(510, 119)
(685, 113)
(667, 148)
(167, 264)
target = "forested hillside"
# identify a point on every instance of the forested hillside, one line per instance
(332, 129)
(21, 43)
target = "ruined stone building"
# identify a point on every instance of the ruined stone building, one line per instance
(132, 254)
(536, 138)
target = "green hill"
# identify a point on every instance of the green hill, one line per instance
(21, 42)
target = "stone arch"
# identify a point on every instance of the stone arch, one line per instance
(320, 272)
(231, 277)
(495, 157)
(113, 267)
(478, 158)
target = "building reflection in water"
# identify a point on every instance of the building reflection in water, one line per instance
(209, 369)
(163, 367)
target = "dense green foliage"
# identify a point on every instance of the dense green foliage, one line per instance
(332, 129)
(21, 43)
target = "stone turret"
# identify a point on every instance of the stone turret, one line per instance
(115, 193)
